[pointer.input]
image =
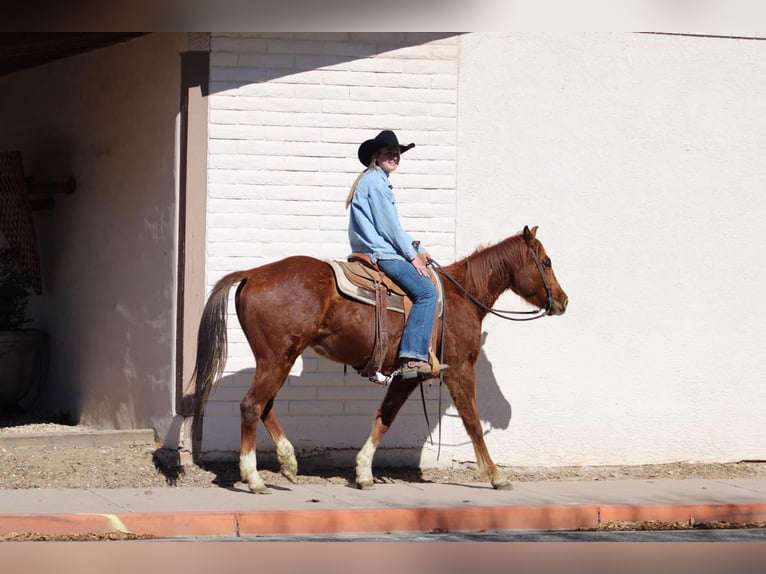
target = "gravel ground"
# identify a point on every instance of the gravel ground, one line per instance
(138, 466)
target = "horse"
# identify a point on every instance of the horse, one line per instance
(288, 305)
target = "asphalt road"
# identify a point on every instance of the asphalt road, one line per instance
(715, 535)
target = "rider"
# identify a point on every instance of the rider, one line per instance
(374, 229)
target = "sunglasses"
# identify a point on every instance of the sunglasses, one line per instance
(390, 153)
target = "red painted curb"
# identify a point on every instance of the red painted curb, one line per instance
(746, 512)
(419, 519)
(211, 523)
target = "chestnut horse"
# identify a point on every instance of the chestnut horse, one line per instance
(289, 305)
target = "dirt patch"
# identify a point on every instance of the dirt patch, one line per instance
(139, 466)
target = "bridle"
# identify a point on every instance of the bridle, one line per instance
(536, 314)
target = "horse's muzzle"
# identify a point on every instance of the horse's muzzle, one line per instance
(558, 307)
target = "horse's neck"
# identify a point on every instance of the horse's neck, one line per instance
(489, 273)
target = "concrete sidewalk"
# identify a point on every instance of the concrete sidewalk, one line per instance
(171, 512)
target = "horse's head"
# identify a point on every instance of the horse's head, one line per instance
(535, 281)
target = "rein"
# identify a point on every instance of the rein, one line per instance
(537, 314)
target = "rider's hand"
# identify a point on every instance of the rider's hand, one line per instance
(420, 262)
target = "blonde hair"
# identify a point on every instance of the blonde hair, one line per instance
(350, 196)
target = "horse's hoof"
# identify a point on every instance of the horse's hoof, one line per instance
(291, 476)
(504, 484)
(366, 485)
(260, 489)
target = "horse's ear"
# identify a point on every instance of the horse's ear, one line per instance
(529, 234)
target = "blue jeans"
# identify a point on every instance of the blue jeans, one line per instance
(417, 330)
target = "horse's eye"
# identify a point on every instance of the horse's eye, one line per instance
(547, 263)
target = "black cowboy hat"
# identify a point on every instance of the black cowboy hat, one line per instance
(383, 139)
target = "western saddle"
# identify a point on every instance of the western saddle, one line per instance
(362, 280)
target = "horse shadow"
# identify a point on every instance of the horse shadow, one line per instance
(400, 456)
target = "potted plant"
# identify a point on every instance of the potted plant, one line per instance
(23, 352)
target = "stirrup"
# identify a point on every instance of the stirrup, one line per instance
(419, 369)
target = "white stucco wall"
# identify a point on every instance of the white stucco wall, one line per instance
(107, 118)
(639, 156)
(641, 159)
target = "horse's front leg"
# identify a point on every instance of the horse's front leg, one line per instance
(461, 383)
(395, 397)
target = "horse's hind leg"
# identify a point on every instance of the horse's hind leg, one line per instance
(288, 464)
(397, 393)
(257, 404)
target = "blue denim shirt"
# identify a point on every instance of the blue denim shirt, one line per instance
(374, 226)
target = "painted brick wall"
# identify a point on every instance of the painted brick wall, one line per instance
(287, 114)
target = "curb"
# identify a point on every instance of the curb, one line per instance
(286, 522)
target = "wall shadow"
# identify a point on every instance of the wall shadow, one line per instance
(264, 67)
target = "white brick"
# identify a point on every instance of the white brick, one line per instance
(346, 48)
(224, 88)
(294, 77)
(215, 147)
(260, 147)
(293, 46)
(276, 103)
(268, 89)
(236, 45)
(223, 59)
(375, 123)
(312, 408)
(223, 116)
(291, 119)
(294, 163)
(428, 181)
(430, 123)
(234, 220)
(401, 94)
(420, 52)
(433, 38)
(263, 61)
(447, 167)
(345, 78)
(273, 35)
(349, 107)
(320, 61)
(368, 392)
(221, 409)
(377, 65)
(320, 92)
(325, 37)
(443, 82)
(430, 67)
(275, 207)
(293, 192)
(378, 37)
(265, 177)
(291, 392)
(221, 176)
(225, 161)
(402, 81)
(237, 74)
